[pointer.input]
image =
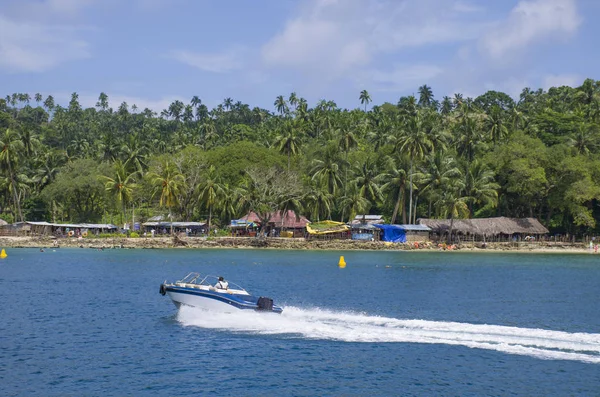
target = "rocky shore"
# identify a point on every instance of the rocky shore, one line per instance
(276, 243)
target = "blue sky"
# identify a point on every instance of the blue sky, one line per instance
(151, 52)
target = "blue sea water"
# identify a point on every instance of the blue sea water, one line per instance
(82, 322)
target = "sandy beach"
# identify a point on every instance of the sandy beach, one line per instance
(282, 243)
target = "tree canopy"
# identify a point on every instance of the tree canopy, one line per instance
(425, 156)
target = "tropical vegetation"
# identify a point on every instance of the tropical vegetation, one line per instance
(451, 157)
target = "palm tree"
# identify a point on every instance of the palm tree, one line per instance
(169, 181)
(196, 101)
(188, 113)
(425, 96)
(48, 166)
(408, 106)
(452, 204)
(367, 183)
(494, 124)
(38, 98)
(28, 139)
(11, 146)
(120, 185)
(49, 103)
(469, 137)
(381, 135)
(480, 186)
(134, 153)
(289, 140)
(353, 202)
(414, 141)
(438, 171)
(585, 139)
(347, 141)
(228, 103)
(365, 98)
(229, 202)
(393, 183)
(458, 100)
(281, 105)
(447, 106)
(326, 170)
(175, 110)
(209, 191)
(109, 147)
(102, 103)
(319, 202)
(293, 99)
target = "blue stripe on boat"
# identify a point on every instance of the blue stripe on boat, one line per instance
(233, 300)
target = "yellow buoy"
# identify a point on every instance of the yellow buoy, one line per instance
(3, 254)
(342, 262)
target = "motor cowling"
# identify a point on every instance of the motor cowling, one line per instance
(264, 304)
(163, 289)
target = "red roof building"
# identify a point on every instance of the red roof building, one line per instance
(280, 219)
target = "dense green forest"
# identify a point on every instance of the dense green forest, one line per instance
(421, 157)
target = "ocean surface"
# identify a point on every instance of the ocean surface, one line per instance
(83, 322)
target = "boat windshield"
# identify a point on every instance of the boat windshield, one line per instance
(208, 280)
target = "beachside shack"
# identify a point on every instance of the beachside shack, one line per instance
(98, 228)
(499, 229)
(404, 233)
(280, 223)
(363, 227)
(189, 228)
(14, 229)
(243, 228)
(69, 229)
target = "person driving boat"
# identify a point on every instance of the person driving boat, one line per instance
(222, 284)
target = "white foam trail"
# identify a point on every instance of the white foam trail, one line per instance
(355, 327)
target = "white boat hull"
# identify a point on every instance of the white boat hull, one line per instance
(201, 302)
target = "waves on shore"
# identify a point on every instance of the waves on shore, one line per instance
(354, 327)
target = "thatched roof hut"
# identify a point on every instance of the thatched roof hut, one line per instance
(487, 226)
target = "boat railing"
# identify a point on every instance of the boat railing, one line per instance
(208, 281)
(190, 278)
(212, 280)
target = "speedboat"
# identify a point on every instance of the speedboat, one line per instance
(206, 293)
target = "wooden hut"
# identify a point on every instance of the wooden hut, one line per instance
(486, 229)
(363, 227)
(188, 228)
(280, 223)
(416, 232)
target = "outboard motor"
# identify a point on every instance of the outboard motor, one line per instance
(264, 304)
(163, 290)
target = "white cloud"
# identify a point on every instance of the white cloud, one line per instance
(558, 80)
(211, 62)
(315, 45)
(531, 22)
(35, 47)
(334, 38)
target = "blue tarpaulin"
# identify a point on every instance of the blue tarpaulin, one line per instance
(392, 233)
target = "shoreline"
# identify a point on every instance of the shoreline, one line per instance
(283, 244)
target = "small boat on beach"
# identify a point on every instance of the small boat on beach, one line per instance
(213, 293)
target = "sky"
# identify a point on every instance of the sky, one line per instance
(152, 52)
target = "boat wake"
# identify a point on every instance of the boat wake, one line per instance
(355, 327)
